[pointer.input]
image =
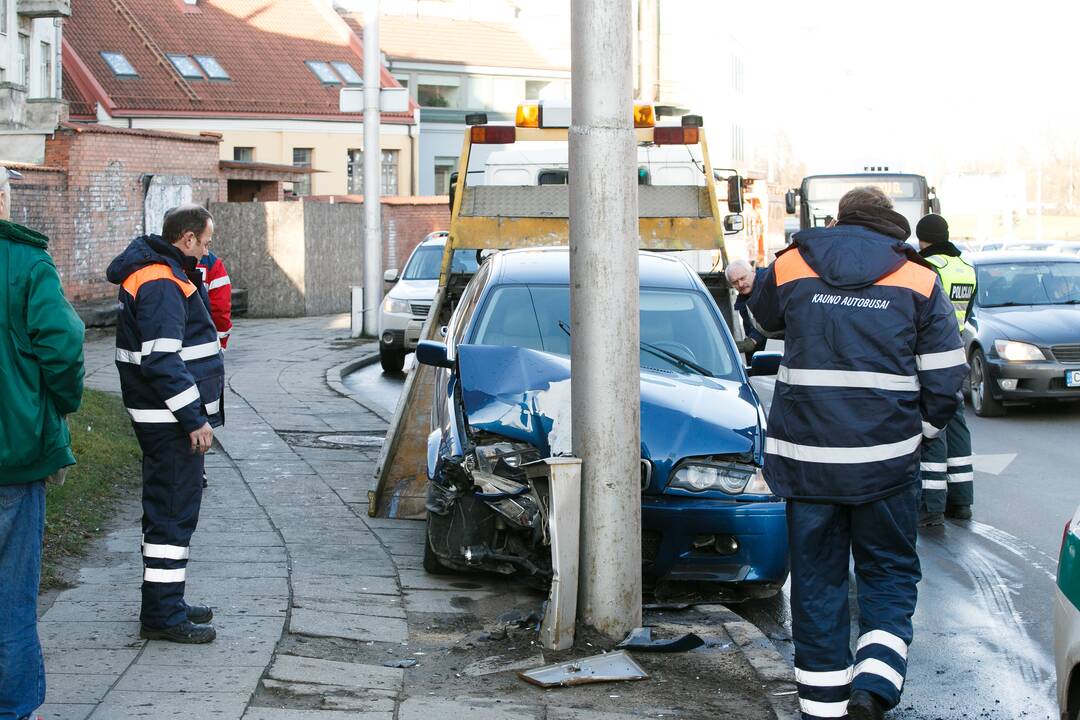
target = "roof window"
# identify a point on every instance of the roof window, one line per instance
(212, 67)
(186, 67)
(348, 73)
(323, 72)
(119, 64)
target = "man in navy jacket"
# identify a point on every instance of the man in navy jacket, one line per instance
(873, 362)
(172, 378)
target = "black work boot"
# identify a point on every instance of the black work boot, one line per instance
(865, 705)
(199, 614)
(929, 519)
(186, 632)
(204, 480)
(959, 512)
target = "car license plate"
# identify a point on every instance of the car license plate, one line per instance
(1072, 378)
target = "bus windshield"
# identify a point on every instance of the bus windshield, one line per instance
(822, 195)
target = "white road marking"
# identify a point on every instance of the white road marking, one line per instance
(992, 464)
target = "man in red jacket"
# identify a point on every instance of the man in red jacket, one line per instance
(219, 289)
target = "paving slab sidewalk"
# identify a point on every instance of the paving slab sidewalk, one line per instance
(311, 596)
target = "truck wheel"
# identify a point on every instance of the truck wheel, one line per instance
(392, 361)
(982, 399)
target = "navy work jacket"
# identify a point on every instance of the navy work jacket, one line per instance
(167, 351)
(872, 362)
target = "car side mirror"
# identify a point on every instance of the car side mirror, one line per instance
(790, 202)
(733, 223)
(734, 194)
(390, 275)
(429, 352)
(765, 363)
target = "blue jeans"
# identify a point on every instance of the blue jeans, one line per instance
(22, 666)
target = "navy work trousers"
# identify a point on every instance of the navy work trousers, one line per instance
(172, 492)
(881, 537)
(945, 466)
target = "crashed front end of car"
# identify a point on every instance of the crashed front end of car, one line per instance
(707, 514)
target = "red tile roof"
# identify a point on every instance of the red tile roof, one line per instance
(261, 44)
(78, 106)
(458, 42)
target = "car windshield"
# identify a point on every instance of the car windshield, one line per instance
(1028, 283)
(426, 262)
(678, 330)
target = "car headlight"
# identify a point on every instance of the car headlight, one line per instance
(731, 478)
(1014, 351)
(501, 457)
(395, 305)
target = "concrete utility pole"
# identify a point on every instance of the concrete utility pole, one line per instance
(605, 377)
(373, 263)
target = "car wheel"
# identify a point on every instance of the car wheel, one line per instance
(392, 361)
(431, 561)
(982, 400)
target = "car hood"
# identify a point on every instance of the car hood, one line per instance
(414, 290)
(1040, 324)
(525, 395)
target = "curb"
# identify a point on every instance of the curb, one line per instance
(772, 669)
(335, 375)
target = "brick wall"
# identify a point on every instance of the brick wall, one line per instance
(406, 221)
(91, 205)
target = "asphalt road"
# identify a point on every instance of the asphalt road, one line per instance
(983, 629)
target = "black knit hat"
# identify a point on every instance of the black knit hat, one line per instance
(932, 229)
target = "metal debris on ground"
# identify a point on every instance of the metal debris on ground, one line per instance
(609, 667)
(402, 663)
(641, 639)
(501, 663)
(520, 618)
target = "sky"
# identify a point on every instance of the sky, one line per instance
(921, 83)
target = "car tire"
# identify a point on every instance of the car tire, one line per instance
(432, 565)
(982, 399)
(392, 361)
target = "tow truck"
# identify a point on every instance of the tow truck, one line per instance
(533, 211)
(818, 196)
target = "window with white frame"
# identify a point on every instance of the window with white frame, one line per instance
(25, 30)
(243, 154)
(301, 158)
(438, 91)
(444, 167)
(46, 78)
(389, 171)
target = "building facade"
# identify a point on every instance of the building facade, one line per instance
(453, 65)
(30, 101)
(265, 76)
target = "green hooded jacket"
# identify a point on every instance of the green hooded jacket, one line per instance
(41, 359)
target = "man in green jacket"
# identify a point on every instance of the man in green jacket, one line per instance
(41, 379)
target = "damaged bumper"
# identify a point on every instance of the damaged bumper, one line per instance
(710, 540)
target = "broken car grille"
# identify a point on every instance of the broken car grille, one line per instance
(1067, 353)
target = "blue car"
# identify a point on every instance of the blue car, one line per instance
(502, 403)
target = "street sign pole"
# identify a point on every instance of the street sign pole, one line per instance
(605, 383)
(373, 270)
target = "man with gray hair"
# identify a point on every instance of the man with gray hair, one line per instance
(742, 277)
(41, 378)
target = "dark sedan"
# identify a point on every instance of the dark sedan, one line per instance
(1022, 331)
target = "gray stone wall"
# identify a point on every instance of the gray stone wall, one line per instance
(293, 258)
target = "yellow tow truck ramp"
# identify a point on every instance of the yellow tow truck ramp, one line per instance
(489, 213)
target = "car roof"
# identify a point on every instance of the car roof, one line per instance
(1018, 256)
(552, 265)
(436, 238)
